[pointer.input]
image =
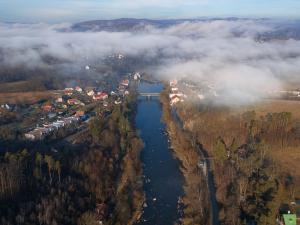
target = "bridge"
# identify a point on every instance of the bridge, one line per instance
(149, 94)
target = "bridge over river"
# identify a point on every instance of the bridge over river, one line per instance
(149, 94)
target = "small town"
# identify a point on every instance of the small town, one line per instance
(71, 108)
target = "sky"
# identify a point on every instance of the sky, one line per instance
(53, 11)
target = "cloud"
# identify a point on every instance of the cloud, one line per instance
(222, 52)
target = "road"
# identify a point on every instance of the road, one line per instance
(209, 176)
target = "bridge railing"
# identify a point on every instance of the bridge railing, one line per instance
(149, 94)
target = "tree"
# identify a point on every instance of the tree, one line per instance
(220, 151)
(50, 163)
(39, 160)
(58, 169)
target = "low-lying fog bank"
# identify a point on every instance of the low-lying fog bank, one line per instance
(241, 58)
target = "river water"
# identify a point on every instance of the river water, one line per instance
(163, 181)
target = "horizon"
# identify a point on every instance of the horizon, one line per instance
(58, 11)
(207, 18)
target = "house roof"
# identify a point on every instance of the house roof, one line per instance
(289, 219)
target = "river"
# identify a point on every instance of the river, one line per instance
(163, 181)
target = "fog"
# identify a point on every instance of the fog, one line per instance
(222, 52)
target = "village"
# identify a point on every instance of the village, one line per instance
(185, 89)
(71, 108)
(182, 90)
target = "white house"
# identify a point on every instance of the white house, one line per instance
(79, 89)
(174, 89)
(90, 93)
(174, 100)
(137, 76)
(173, 83)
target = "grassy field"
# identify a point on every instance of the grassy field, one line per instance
(25, 97)
(21, 86)
(272, 106)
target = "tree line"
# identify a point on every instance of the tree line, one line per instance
(250, 186)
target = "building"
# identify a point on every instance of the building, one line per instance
(47, 107)
(125, 83)
(173, 83)
(137, 76)
(179, 94)
(289, 219)
(37, 134)
(175, 99)
(5, 106)
(90, 92)
(79, 89)
(100, 96)
(40, 133)
(74, 101)
(174, 89)
(68, 92)
(59, 100)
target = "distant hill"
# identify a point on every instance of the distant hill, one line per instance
(282, 29)
(129, 24)
(120, 25)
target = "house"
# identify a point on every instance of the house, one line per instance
(174, 89)
(137, 76)
(47, 107)
(49, 127)
(58, 124)
(37, 134)
(125, 82)
(90, 93)
(87, 67)
(175, 99)
(179, 94)
(100, 96)
(79, 89)
(289, 219)
(5, 106)
(173, 83)
(70, 120)
(33, 135)
(74, 101)
(59, 100)
(68, 92)
(80, 113)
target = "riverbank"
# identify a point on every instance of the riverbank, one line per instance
(196, 199)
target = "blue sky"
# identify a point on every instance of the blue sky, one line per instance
(53, 11)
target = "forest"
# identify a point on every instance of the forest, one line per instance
(251, 187)
(98, 181)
